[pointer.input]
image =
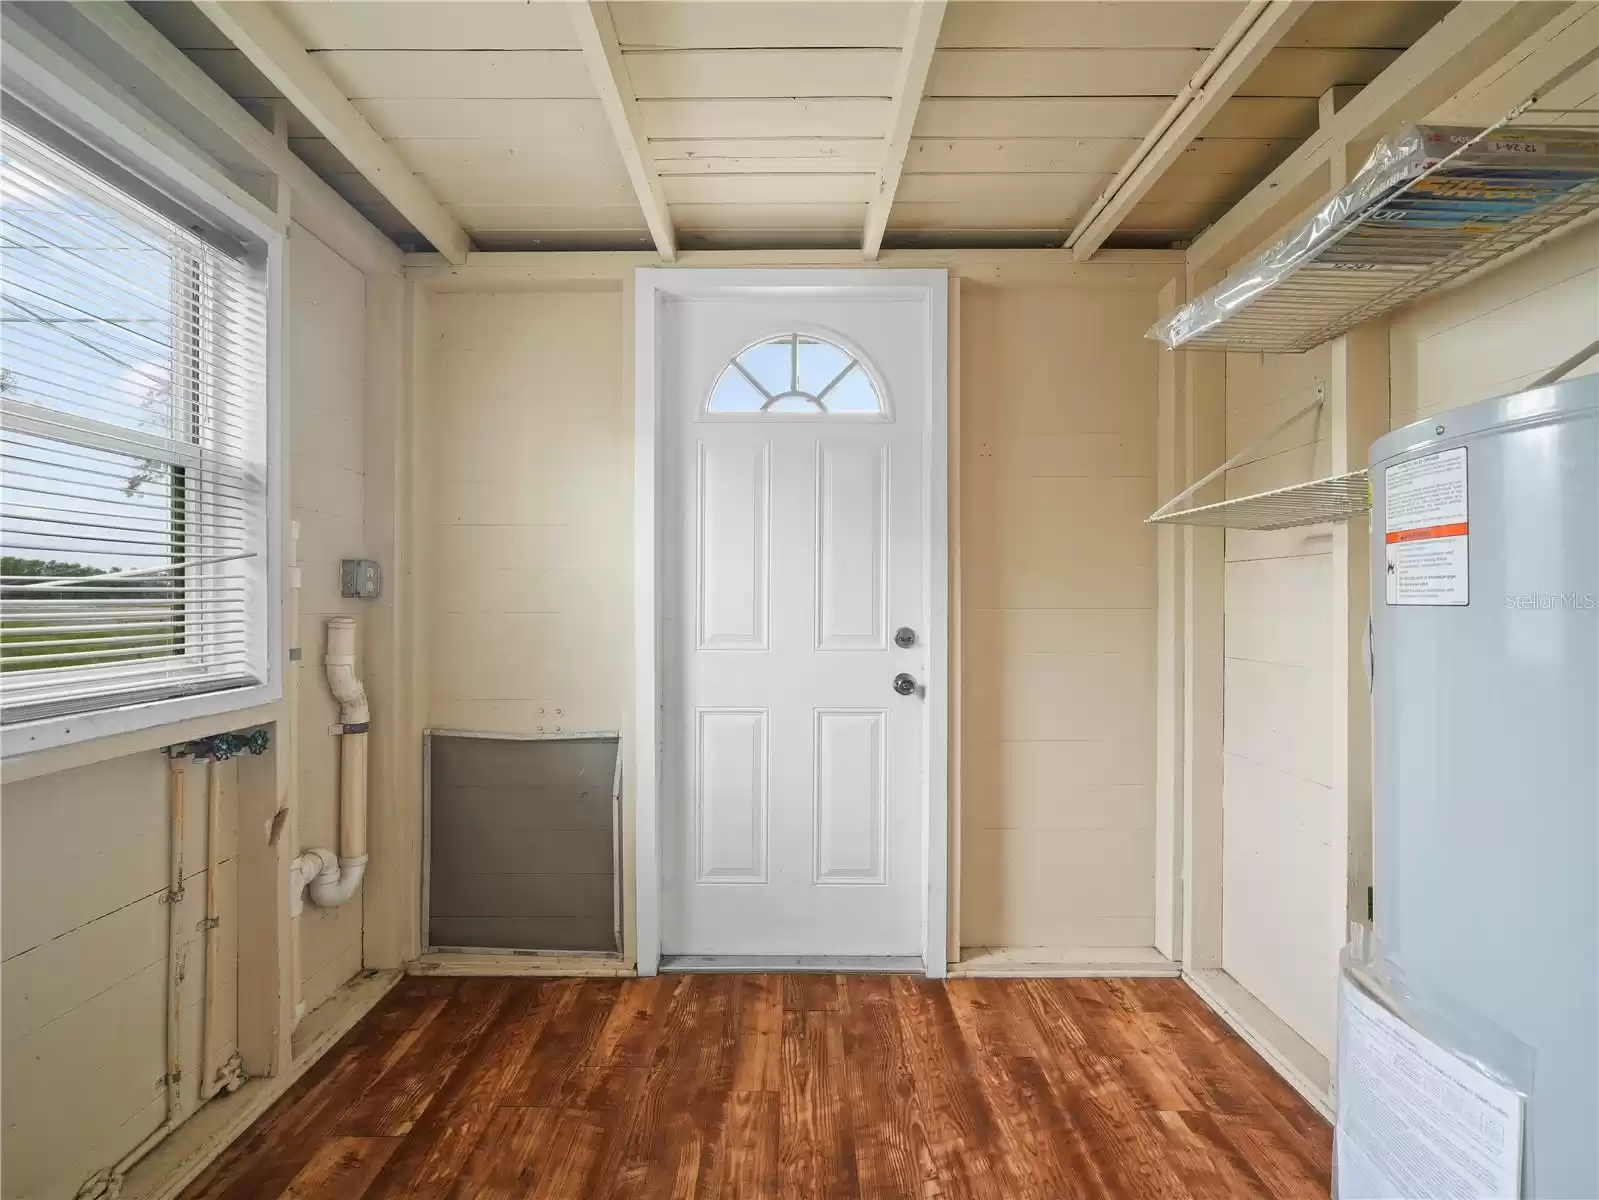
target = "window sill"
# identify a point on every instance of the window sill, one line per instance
(45, 747)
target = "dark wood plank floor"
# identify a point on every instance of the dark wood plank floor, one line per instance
(796, 1086)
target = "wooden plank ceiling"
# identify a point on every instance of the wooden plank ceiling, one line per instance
(766, 119)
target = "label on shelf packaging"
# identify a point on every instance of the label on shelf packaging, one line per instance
(1427, 532)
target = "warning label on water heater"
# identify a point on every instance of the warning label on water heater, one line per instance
(1427, 529)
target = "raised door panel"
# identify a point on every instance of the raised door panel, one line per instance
(730, 793)
(851, 546)
(851, 796)
(734, 500)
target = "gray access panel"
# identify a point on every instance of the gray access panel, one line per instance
(521, 843)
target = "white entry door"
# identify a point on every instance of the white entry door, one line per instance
(795, 505)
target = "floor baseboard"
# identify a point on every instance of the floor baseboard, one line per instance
(195, 1144)
(1299, 1063)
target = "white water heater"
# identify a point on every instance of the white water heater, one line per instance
(1485, 681)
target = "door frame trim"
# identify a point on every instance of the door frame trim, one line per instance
(651, 286)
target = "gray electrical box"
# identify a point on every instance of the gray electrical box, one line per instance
(360, 579)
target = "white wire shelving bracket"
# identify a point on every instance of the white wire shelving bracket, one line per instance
(1335, 498)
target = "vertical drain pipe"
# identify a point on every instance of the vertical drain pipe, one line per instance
(230, 1075)
(174, 1075)
(291, 719)
(213, 827)
(340, 879)
(331, 879)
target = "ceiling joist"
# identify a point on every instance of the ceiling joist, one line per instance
(1241, 49)
(921, 39)
(1459, 48)
(266, 42)
(596, 34)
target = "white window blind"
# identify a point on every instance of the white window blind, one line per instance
(132, 448)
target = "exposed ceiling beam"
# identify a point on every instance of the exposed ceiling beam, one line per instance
(596, 34)
(1240, 50)
(916, 56)
(1467, 41)
(329, 214)
(255, 29)
(510, 270)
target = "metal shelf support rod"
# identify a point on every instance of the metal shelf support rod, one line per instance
(1264, 439)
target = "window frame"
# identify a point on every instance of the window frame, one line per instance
(82, 134)
(884, 415)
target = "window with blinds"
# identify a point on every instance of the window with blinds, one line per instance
(132, 448)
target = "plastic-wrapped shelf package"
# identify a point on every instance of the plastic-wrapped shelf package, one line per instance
(1430, 204)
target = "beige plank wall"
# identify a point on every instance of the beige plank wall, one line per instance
(530, 461)
(1058, 397)
(1498, 333)
(85, 850)
(1277, 822)
(529, 536)
(327, 461)
(85, 963)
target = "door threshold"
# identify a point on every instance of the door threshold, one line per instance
(794, 964)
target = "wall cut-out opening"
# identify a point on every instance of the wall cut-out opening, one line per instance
(795, 373)
(522, 851)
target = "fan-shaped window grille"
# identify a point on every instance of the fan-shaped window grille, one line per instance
(795, 373)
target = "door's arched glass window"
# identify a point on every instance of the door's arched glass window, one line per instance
(795, 373)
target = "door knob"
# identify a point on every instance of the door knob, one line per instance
(905, 684)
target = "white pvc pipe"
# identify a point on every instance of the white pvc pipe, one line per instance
(214, 1076)
(174, 1062)
(107, 1185)
(340, 879)
(337, 879)
(209, 1084)
(291, 725)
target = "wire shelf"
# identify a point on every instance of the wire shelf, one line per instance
(1336, 498)
(1381, 246)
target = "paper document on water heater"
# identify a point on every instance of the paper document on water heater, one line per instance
(1416, 1121)
(1427, 534)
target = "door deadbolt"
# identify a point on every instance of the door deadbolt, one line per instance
(905, 684)
(904, 637)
